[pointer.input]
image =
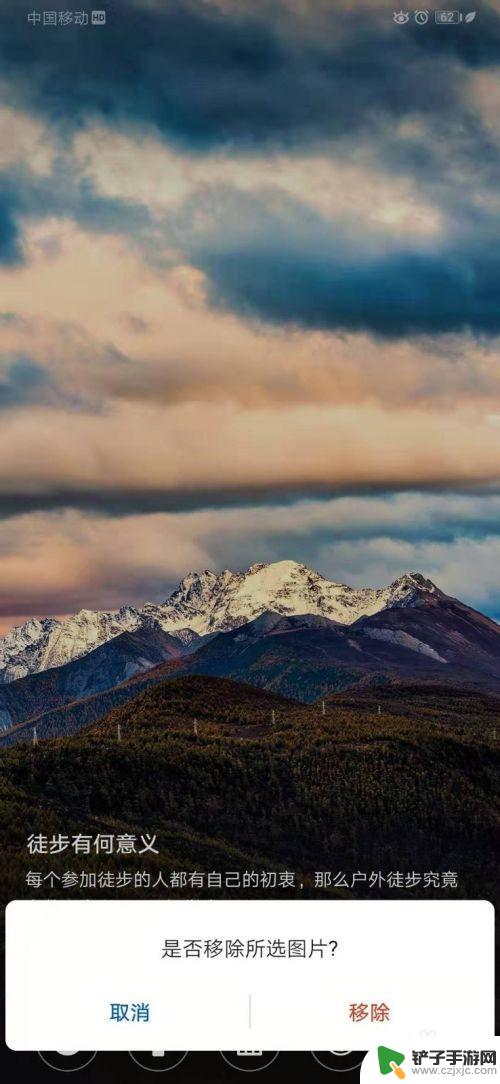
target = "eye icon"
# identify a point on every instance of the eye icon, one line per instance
(401, 17)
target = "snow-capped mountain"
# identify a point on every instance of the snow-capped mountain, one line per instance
(42, 645)
(210, 603)
(204, 603)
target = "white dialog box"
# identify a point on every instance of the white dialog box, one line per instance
(245, 975)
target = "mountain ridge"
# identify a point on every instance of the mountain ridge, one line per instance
(203, 604)
(428, 637)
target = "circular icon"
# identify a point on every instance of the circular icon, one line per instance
(339, 1061)
(67, 1061)
(159, 1061)
(421, 17)
(250, 1061)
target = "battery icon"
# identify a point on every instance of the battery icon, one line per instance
(448, 18)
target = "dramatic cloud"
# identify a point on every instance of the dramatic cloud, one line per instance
(356, 186)
(208, 73)
(107, 329)
(10, 247)
(197, 455)
(286, 265)
(22, 381)
(250, 301)
(59, 563)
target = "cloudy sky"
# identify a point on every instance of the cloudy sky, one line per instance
(249, 298)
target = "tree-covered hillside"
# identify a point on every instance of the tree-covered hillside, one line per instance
(260, 781)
